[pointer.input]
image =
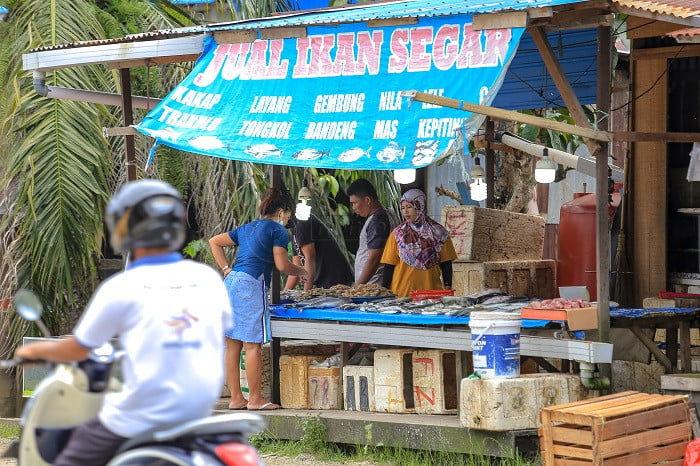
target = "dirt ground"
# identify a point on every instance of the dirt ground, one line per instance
(270, 460)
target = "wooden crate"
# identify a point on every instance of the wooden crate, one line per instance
(533, 278)
(628, 428)
(482, 235)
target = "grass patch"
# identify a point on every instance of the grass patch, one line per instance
(9, 431)
(314, 443)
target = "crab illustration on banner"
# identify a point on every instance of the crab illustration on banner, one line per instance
(333, 99)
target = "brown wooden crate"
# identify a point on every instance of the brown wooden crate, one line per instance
(663, 416)
(642, 428)
(642, 440)
(654, 455)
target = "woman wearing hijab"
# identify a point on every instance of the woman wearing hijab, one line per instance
(418, 254)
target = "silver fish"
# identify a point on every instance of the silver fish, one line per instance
(206, 142)
(391, 153)
(260, 151)
(353, 154)
(424, 152)
(166, 134)
(309, 154)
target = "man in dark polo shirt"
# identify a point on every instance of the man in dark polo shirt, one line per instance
(316, 249)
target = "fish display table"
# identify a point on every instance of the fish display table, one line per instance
(414, 330)
(677, 322)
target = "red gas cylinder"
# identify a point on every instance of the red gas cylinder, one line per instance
(577, 241)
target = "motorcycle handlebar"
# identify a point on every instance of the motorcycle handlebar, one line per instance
(10, 363)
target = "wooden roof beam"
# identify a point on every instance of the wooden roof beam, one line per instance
(563, 86)
(509, 115)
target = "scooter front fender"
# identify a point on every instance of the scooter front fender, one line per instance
(59, 403)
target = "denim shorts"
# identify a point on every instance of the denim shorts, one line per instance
(251, 318)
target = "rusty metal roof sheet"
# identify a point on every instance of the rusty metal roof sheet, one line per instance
(688, 32)
(677, 8)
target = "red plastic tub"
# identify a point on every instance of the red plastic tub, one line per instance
(420, 295)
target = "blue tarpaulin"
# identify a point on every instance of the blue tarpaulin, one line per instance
(331, 99)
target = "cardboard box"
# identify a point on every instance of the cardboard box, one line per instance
(582, 318)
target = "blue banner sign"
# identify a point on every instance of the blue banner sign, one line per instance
(333, 99)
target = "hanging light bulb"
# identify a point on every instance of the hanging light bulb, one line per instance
(405, 175)
(545, 169)
(478, 186)
(303, 210)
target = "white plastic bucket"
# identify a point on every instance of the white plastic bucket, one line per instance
(496, 344)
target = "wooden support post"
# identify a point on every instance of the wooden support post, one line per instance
(275, 182)
(651, 346)
(128, 112)
(275, 353)
(684, 335)
(490, 163)
(562, 83)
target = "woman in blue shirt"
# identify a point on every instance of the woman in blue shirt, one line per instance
(262, 244)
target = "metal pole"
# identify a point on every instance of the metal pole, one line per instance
(602, 203)
(128, 111)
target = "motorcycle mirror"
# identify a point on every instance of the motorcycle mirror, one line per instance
(28, 304)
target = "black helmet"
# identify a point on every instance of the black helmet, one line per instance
(146, 214)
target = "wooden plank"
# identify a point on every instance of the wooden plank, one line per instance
(546, 438)
(375, 23)
(654, 455)
(649, 172)
(572, 452)
(646, 420)
(570, 462)
(506, 19)
(653, 402)
(578, 436)
(645, 136)
(630, 443)
(681, 382)
(598, 404)
(589, 401)
(597, 431)
(235, 36)
(509, 115)
(119, 131)
(638, 28)
(676, 51)
(563, 85)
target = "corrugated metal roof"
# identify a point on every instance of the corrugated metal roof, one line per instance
(389, 10)
(677, 8)
(688, 32)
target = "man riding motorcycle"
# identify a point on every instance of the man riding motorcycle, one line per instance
(169, 315)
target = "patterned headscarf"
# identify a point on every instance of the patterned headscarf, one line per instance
(421, 241)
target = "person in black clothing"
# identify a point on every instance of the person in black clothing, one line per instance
(316, 249)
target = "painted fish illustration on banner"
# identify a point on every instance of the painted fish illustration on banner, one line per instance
(333, 99)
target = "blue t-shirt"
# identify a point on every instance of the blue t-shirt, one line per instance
(255, 241)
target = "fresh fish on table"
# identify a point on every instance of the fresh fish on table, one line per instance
(353, 154)
(324, 302)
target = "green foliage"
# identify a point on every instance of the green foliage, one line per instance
(9, 431)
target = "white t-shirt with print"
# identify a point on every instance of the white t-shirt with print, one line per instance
(170, 318)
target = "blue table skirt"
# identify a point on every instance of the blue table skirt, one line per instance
(651, 312)
(374, 317)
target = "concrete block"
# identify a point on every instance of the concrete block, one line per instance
(325, 389)
(294, 380)
(482, 235)
(435, 381)
(534, 278)
(393, 380)
(513, 404)
(358, 387)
